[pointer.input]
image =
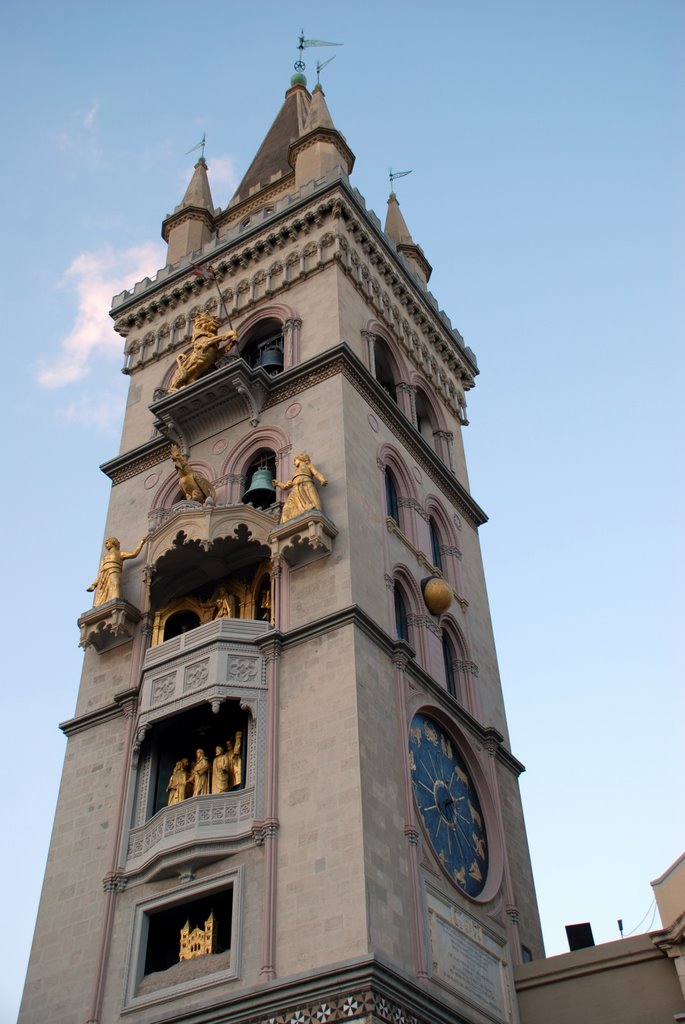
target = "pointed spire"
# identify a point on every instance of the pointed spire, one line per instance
(198, 192)
(320, 148)
(191, 225)
(396, 229)
(318, 116)
(271, 160)
(395, 224)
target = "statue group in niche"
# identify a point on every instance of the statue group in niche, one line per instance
(303, 495)
(207, 348)
(107, 583)
(202, 778)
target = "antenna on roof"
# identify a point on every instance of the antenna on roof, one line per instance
(320, 65)
(303, 43)
(200, 145)
(396, 174)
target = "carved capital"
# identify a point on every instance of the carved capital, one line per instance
(263, 831)
(115, 881)
(412, 835)
(512, 913)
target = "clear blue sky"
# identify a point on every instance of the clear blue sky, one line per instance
(547, 153)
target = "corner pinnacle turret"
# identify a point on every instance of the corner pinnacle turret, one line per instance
(191, 225)
(320, 148)
(396, 229)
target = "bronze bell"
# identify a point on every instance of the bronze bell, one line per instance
(271, 359)
(261, 493)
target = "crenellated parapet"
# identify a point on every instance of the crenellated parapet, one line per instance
(300, 237)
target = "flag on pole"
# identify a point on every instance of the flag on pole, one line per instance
(206, 273)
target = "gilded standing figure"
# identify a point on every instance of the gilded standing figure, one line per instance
(199, 774)
(107, 583)
(303, 495)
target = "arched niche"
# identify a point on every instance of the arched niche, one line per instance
(210, 563)
(272, 328)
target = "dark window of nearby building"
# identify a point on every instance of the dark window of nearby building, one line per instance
(526, 955)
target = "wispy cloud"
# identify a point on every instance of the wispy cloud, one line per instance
(93, 411)
(90, 115)
(95, 277)
(221, 171)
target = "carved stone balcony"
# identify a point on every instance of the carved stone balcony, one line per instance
(195, 829)
(231, 394)
(214, 663)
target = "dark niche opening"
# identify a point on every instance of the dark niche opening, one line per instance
(210, 915)
(179, 739)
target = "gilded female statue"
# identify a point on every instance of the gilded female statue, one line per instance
(107, 583)
(303, 495)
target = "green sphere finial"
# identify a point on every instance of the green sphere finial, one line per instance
(298, 79)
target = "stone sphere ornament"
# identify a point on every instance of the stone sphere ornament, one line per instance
(437, 594)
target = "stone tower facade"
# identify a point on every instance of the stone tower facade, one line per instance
(290, 717)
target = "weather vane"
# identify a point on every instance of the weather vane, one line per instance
(304, 43)
(200, 145)
(396, 174)
(320, 65)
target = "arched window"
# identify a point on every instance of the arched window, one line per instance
(449, 657)
(436, 553)
(426, 422)
(263, 345)
(401, 618)
(260, 471)
(392, 505)
(180, 622)
(386, 374)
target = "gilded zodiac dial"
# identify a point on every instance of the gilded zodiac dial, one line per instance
(448, 804)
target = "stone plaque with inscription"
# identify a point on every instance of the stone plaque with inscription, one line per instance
(465, 965)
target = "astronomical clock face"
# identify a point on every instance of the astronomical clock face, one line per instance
(448, 804)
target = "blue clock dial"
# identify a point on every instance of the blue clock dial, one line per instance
(448, 804)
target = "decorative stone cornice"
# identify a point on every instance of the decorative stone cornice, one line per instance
(376, 256)
(137, 460)
(284, 386)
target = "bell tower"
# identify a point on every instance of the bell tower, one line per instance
(288, 793)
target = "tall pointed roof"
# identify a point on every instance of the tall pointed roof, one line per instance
(198, 192)
(396, 228)
(395, 224)
(192, 223)
(272, 156)
(319, 115)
